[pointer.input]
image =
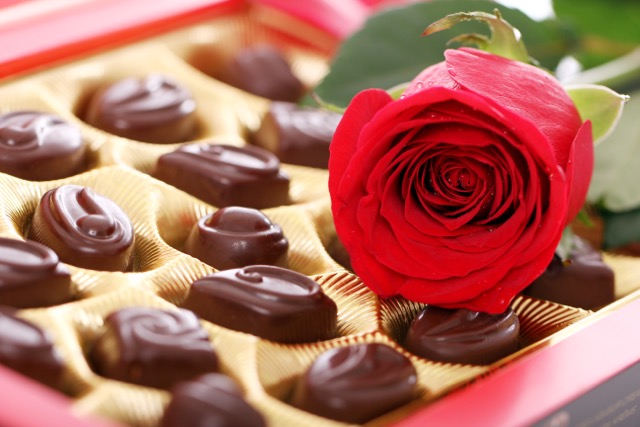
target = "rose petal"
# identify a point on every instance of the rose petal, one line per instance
(580, 169)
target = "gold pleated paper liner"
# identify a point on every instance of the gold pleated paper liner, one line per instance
(163, 216)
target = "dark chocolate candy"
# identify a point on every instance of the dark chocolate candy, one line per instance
(262, 70)
(211, 400)
(357, 383)
(270, 302)
(225, 175)
(40, 146)
(85, 229)
(28, 349)
(463, 336)
(31, 276)
(236, 237)
(154, 348)
(153, 109)
(298, 135)
(583, 281)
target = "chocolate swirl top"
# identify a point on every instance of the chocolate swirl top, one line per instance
(228, 160)
(84, 228)
(213, 400)
(39, 146)
(356, 383)
(463, 336)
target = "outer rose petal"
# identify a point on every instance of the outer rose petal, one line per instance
(579, 177)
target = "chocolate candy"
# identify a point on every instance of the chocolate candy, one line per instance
(263, 71)
(298, 135)
(40, 146)
(583, 281)
(153, 109)
(84, 228)
(357, 383)
(210, 400)
(31, 276)
(152, 347)
(28, 349)
(225, 175)
(270, 302)
(463, 336)
(236, 237)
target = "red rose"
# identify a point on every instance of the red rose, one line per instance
(457, 194)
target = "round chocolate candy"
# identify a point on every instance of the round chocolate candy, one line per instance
(154, 348)
(298, 135)
(28, 349)
(31, 276)
(153, 109)
(463, 336)
(262, 70)
(40, 146)
(84, 228)
(357, 383)
(236, 237)
(211, 400)
(270, 302)
(225, 175)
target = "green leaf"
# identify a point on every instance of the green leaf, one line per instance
(616, 174)
(388, 50)
(505, 40)
(599, 104)
(566, 244)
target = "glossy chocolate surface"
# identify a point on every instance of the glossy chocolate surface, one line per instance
(463, 336)
(154, 348)
(270, 302)
(31, 275)
(357, 383)
(298, 135)
(262, 70)
(584, 280)
(153, 109)
(225, 175)
(40, 146)
(235, 237)
(84, 228)
(28, 349)
(211, 400)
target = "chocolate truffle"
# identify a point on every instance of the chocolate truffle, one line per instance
(584, 280)
(236, 237)
(28, 349)
(40, 146)
(357, 383)
(270, 302)
(153, 109)
(31, 276)
(463, 336)
(298, 135)
(84, 228)
(225, 175)
(154, 348)
(262, 70)
(212, 400)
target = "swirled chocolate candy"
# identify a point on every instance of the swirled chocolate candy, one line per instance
(584, 280)
(31, 276)
(211, 400)
(236, 237)
(270, 302)
(84, 228)
(262, 70)
(153, 109)
(154, 348)
(463, 336)
(26, 348)
(224, 175)
(298, 135)
(39, 146)
(357, 383)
